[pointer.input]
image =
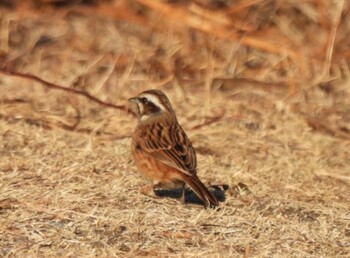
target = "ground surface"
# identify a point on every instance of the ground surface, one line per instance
(277, 134)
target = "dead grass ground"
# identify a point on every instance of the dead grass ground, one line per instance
(68, 186)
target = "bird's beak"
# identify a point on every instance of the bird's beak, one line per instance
(133, 100)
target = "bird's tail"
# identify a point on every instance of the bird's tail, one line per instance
(201, 190)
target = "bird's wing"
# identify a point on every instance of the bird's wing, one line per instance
(167, 142)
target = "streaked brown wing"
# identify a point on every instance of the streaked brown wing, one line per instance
(168, 143)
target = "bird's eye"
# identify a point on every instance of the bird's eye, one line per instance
(144, 100)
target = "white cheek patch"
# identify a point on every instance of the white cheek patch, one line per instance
(145, 117)
(141, 109)
(140, 106)
(154, 100)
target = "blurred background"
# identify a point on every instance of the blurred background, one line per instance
(295, 50)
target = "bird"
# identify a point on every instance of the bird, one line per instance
(161, 149)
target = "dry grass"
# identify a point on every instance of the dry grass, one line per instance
(280, 126)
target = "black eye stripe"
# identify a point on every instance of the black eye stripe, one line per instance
(148, 107)
(144, 100)
(152, 108)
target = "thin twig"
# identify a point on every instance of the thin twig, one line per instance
(209, 121)
(345, 179)
(51, 125)
(318, 125)
(333, 33)
(66, 89)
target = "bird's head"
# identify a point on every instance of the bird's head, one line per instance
(152, 103)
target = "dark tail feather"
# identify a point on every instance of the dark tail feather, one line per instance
(201, 190)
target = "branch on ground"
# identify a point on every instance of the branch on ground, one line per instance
(47, 125)
(66, 89)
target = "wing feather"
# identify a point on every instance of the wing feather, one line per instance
(168, 143)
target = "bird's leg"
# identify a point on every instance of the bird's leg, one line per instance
(183, 195)
(182, 184)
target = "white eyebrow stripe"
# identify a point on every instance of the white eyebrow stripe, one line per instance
(154, 100)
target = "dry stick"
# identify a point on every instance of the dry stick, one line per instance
(87, 95)
(209, 121)
(345, 179)
(315, 124)
(48, 125)
(66, 89)
(42, 123)
(333, 33)
(241, 6)
(13, 101)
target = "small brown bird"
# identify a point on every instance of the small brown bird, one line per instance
(161, 149)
